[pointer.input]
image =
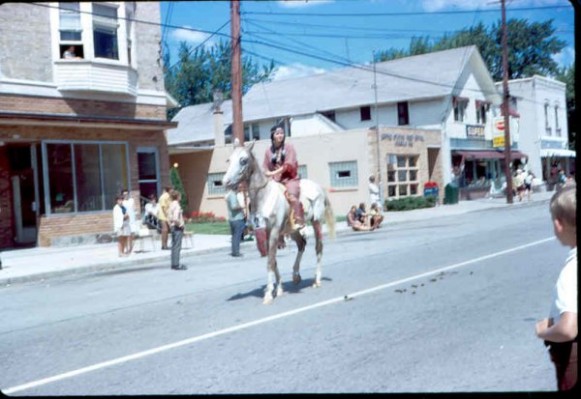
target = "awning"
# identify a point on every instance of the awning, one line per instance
(557, 152)
(488, 154)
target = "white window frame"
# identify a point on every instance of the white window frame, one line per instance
(213, 188)
(86, 17)
(396, 164)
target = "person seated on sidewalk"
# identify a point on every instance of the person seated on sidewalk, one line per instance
(375, 216)
(362, 215)
(355, 223)
(150, 214)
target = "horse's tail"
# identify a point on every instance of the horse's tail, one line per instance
(329, 217)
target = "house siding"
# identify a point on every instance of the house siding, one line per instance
(25, 54)
(27, 87)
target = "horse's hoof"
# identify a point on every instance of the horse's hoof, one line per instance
(279, 293)
(297, 278)
(316, 285)
(267, 301)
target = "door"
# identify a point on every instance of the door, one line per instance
(24, 180)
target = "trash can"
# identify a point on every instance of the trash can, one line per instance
(451, 194)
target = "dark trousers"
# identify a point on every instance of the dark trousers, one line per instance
(176, 245)
(236, 229)
(564, 357)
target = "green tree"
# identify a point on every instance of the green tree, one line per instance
(199, 72)
(531, 46)
(567, 76)
(176, 182)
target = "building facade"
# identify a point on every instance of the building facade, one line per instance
(543, 129)
(409, 103)
(82, 116)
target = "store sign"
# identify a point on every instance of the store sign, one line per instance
(498, 131)
(402, 140)
(475, 131)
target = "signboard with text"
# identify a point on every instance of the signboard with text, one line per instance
(498, 131)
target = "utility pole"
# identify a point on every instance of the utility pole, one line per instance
(505, 107)
(379, 180)
(236, 72)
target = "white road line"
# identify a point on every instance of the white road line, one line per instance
(159, 349)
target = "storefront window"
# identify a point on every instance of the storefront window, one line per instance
(88, 177)
(115, 173)
(60, 174)
(84, 177)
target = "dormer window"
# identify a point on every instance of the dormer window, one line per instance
(481, 110)
(460, 105)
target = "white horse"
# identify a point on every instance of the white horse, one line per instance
(268, 203)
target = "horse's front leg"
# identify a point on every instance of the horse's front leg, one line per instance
(272, 269)
(319, 250)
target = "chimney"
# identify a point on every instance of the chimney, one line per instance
(219, 139)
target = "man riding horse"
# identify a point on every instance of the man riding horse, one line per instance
(280, 163)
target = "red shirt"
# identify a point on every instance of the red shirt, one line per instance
(289, 163)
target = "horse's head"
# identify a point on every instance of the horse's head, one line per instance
(240, 165)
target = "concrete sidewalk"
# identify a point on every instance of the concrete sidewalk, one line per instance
(24, 265)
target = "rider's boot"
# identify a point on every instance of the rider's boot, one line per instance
(299, 215)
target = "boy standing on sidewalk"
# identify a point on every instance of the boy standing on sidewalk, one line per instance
(559, 331)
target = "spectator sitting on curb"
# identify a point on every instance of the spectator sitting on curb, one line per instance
(355, 223)
(362, 215)
(375, 216)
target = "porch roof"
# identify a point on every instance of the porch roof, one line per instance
(489, 154)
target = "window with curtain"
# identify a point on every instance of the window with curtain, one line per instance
(403, 117)
(460, 105)
(70, 30)
(105, 31)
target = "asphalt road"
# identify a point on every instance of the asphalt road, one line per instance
(442, 305)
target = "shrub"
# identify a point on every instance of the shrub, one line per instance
(204, 217)
(410, 203)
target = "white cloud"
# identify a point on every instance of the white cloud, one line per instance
(190, 36)
(566, 57)
(302, 3)
(295, 71)
(437, 5)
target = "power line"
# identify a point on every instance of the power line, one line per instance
(369, 69)
(342, 63)
(202, 43)
(298, 42)
(398, 14)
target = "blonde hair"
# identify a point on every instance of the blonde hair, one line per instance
(563, 205)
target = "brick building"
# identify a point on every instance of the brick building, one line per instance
(75, 131)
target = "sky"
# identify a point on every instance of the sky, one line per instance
(312, 36)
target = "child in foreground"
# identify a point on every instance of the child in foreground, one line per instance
(559, 330)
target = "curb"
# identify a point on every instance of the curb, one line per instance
(108, 266)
